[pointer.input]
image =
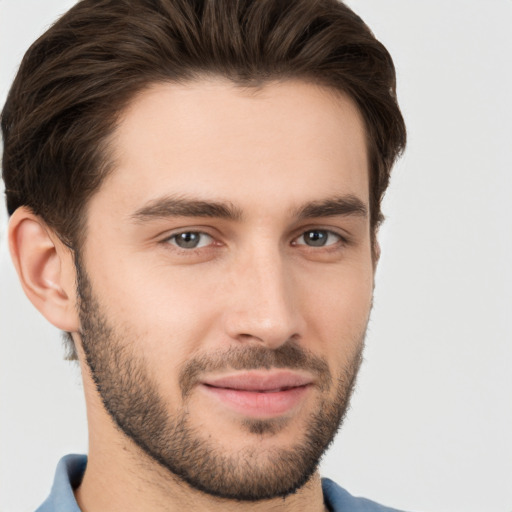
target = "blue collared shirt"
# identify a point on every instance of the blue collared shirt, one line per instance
(70, 471)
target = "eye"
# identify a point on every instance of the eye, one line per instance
(190, 240)
(318, 238)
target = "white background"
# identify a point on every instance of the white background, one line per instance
(431, 422)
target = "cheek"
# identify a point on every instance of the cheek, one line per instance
(337, 309)
(167, 313)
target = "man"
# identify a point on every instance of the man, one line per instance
(194, 190)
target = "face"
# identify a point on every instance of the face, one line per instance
(227, 278)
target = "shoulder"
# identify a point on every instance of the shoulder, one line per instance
(338, 499)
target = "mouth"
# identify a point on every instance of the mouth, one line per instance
(259, 394)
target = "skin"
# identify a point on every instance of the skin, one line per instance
(254, 281)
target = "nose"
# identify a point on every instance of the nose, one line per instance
(264, 303)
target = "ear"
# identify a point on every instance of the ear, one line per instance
(375, 253)
(45, 268)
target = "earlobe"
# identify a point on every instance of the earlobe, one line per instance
(45, 268)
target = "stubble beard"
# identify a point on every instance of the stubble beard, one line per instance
(131, 397)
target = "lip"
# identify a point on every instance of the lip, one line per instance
(259, 394)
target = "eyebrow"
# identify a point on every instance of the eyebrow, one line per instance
(347, 205)
(164, 207)
(181, 207)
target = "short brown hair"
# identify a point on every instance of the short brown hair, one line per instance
(76, 79)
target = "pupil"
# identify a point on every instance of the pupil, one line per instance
(316, 238)
(187, 240)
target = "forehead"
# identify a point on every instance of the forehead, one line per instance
(288, 141)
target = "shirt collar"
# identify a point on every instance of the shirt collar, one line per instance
(68, 476)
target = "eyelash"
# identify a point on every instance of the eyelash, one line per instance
(328, 232)
(339, 240)
(195, 233)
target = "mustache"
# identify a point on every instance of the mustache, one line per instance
(289, 355)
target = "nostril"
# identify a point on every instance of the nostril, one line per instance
(272, 340)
